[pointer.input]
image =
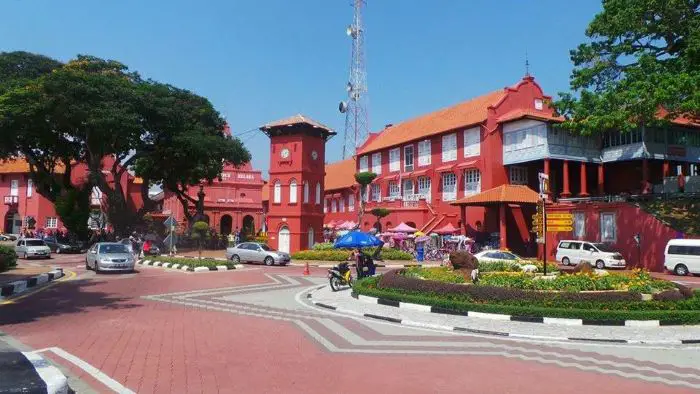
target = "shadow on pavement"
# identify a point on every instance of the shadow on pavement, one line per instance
(63, 299)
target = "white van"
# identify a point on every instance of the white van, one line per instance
(682, 256)
(570, 252)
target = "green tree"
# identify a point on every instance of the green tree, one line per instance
(380, 213)
(200, 232)
(642, 56)
(363, 179)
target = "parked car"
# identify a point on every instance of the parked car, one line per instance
(7, 237)
(32, 247)
(109, 256)
(600, 255)
(254, 252)
(498, 255)
(58, 247)
(682, 256)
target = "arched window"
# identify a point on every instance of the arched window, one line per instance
(306, 192)
(318, 193)
(293, 192)
(277, 193)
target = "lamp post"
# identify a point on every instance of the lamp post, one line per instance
(638, 241)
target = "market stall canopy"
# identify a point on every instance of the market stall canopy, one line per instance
(357, 239)
(447, 229)
(402, 228)
(348, 225)
(504, 194)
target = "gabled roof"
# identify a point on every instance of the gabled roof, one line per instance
(520, 113)
(340, 175)
(296, 120)
(467, 113)
(21, 166)
(504, 194)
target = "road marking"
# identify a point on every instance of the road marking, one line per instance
(94, 372)
(67, 277)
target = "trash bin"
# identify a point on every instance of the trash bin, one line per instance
(420, 251)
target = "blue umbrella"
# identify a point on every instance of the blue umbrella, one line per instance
(357, 239)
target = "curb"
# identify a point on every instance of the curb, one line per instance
(56, 382)
(432, 309)
(187, 268)
(20, 286)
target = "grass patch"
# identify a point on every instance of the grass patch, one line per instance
(192, 263)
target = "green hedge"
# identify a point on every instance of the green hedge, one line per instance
(323, 246)
(192, 263)
(679, 312)
(344, 254)
(8, 258)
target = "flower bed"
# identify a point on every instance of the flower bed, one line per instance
(678, 305)
(323, 254)
(192, 263)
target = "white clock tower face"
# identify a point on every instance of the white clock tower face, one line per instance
(314, 155)
(284, 153)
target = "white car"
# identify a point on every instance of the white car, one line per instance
(600, 255)
(682, 256)
(498, 255)
(32, 247)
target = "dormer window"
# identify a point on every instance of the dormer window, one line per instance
(538, 104)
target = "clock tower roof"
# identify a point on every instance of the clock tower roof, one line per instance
(296, 123)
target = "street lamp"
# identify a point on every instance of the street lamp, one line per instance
(638, 241)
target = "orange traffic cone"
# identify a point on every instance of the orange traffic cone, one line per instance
(306, 269)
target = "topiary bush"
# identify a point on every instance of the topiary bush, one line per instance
(462, 260)
(323, 246)
(8, 258)
(322, 255)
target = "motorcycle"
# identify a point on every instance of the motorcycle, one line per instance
(340, 275)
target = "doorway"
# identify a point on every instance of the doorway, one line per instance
(248, 229)
(226, 224)
(284, 240)
(13, 223)
(311, 238)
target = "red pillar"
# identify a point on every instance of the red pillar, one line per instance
(601, 179)
(667, 169)
(502, 224)
(584, 181)
(546, 172)
(566, 193)
(463, 217)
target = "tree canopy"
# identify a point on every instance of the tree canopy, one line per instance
(98, 113)
(641, 66)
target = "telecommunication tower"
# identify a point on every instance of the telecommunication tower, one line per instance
(355, 107)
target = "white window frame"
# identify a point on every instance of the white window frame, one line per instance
(334, 205)
(394, 189)
(424, 187)
(325, 205)
(395, 160)
(579, 224)
(408, 160)
(376, 192)
(293, 194)
(424, 153)
(30, 187)
(408, 187)
(472, 142)
(318, 193)
(364, 163)
(449, 186)
(517, 175)
(351, 202)
(605, 236)
(277, 192)
(306, 192)
(472, 181)
(341, 204)
(449, 147)
(51, 222)
(377, 163)
(14, 187)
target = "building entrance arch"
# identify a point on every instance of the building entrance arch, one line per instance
(311, 238)
(284, 239)
(13, 223)
(412, 224)
(226, 224)
(248, 227)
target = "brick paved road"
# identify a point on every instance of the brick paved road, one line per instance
(245, 331)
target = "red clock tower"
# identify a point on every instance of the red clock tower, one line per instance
(297, 169)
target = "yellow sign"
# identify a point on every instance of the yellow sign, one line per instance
(560, 216)
(559, 222)
(558, 229)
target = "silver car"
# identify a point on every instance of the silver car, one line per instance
(32, 247)
(254, 252)
(109, 256)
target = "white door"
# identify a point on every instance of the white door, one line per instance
(311, 238)
(283, 244)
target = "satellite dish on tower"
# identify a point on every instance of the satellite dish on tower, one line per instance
(343, 107)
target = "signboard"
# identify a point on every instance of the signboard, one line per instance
(560, 216)
(559, 222)
(170, 222)
(544, 184)
(559, 229)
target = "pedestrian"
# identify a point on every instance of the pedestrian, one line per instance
(681, 181)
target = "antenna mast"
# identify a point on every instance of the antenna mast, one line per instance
(355, 108)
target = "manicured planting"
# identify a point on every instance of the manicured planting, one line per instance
(8, 258)
(668, 306)
(638, 281)
(442, 274)
(192, 263)
(323, 254)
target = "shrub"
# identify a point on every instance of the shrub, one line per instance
(323, 246)
(498, 266)
(394, 254)
(324, 255)
(261, 239)
(442, 274)
(463, 260)
(8, 258)
(584, 267)
(190, 262)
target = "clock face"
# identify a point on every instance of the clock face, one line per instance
(314, 155)
(284, 153)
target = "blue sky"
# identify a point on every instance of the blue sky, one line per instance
(260, 60)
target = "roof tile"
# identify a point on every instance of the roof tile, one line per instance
(509, 194)
(340, 175)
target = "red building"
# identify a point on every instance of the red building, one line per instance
(297, 157)
(230, 204)
(22, 202)
(426, 165)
